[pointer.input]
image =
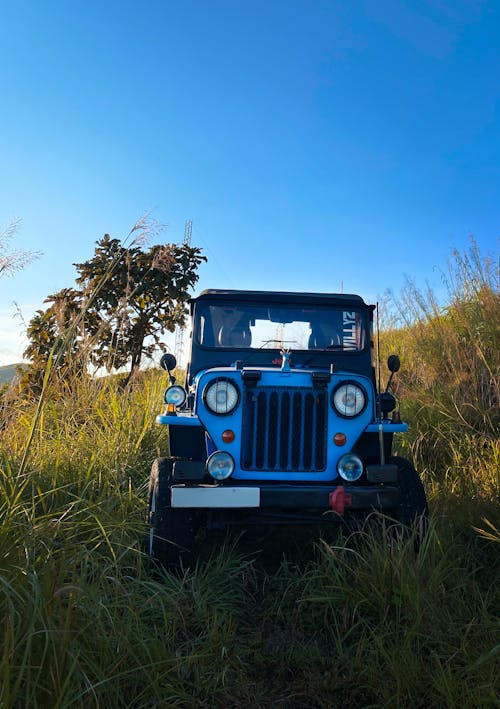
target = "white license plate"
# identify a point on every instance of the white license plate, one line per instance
(215, 497)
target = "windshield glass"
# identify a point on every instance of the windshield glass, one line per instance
(254, 326)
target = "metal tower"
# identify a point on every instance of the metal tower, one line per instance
(188, 230)
(179, 331)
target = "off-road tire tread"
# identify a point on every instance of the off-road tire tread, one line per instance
(173, 534)
(413, 506)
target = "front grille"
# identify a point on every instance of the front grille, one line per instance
(284, 430)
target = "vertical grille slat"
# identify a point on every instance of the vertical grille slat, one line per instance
(273, 430)
(261, 433)
(308, 430)
(320, 438)
(296, 430)
(249, 440)
(284, 430)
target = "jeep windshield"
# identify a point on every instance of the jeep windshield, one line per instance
(253, 326)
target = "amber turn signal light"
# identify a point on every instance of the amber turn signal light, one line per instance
(228, 436)
(339, 439)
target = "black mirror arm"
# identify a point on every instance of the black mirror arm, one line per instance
(169, 363)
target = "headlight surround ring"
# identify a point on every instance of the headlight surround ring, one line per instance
(350, 467)
(221, 396)
(175, 395)
(220, 465)
(349, 399)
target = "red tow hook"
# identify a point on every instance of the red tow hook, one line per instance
(339, 500)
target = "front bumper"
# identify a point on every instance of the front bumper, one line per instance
(338, 498)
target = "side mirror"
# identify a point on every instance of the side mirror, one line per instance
(393, 363)
(169, 363)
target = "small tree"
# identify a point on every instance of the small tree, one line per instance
(47, 328)
(52, 335)
(127, 298)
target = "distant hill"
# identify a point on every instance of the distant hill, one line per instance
(7, 372)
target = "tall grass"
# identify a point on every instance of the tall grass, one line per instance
(353, 621)
(449, 383)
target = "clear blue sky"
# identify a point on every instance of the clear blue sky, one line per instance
(315, 144)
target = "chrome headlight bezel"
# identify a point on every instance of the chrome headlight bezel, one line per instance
(220, 465)
(358, 399)
(213, 396)
(350, 467)
(175, 395)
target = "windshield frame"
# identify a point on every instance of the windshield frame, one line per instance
(299, 327)
(203, 357)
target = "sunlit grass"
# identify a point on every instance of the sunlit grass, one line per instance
(357, 619)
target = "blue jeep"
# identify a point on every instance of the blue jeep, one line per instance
(280, 421)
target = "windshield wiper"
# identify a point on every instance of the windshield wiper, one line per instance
(283, 342)
(315, 353)
(264, 343)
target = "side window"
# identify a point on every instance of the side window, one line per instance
(205, 332)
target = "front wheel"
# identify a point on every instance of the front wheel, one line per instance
(171, 532)
(412, 511)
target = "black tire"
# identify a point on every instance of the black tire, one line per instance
(171, 532)
(412, 511)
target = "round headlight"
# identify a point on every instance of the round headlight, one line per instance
(220, 465)
(350, 467)
(221, 396)
(349, 399)
(175, 395)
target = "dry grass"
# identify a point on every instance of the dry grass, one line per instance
(355, 621)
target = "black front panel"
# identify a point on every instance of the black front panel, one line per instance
(284, 430)
(187, 442)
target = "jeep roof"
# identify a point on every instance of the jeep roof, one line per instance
(256, 296)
